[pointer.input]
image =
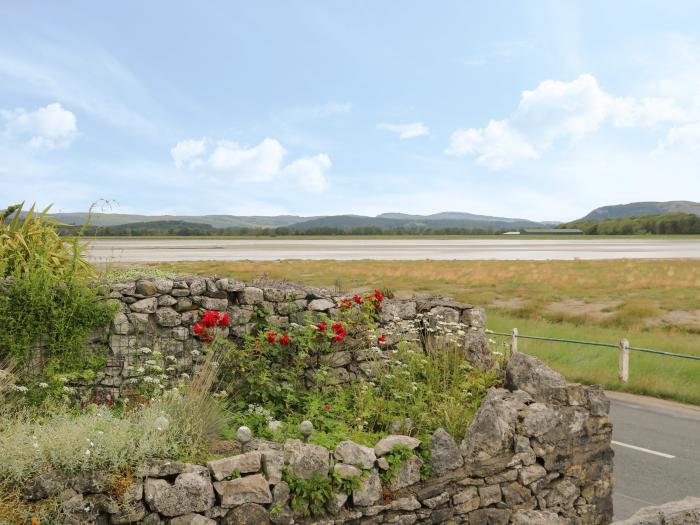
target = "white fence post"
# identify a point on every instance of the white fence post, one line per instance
(623, 364)
(514, 341)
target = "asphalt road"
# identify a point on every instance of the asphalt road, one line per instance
(650, 477)
(164, 250)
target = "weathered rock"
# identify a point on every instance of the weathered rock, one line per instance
(408, 474)
(146, 287)
(562, 495)
(191, 492)
(163, 285)
(272, 463)
(166, 316)
(493, 427)
(166, 300)
(444, 454)
(386, 444)
(192, 519)
(531, 473)
(229, 285)
(306, 460)
(198, 287)
(243, 464)
(397, 309)
(369, 492)
(145, 306)
(489, 517)
(474, 317)
(210, 303)
(320, 305)
(345, 471)
(249, 489)
(132, 513)
(247, 514)
(251, 295)
(525, 372)
(489, 494)
(354, 454)
(537, 517)
(683, 512)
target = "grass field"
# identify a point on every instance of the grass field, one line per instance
(654, 304)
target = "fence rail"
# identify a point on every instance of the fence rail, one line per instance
(623, 347)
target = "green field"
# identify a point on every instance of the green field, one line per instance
(654, 304)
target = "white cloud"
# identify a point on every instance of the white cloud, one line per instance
(49, 127)
(263, 162)
(310, 172)
(682, 138)
(406, 131)
(555, 111)
(187, 150)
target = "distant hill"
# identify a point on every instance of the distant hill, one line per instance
(405, 221)
(217, 221)
(641, 209)
(453, 215)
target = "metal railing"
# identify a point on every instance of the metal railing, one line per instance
(623, 347)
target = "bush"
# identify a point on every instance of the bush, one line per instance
(48, 307)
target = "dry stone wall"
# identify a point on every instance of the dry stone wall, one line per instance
(159, 314)
(538, 453)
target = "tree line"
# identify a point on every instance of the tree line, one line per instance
(676, 223)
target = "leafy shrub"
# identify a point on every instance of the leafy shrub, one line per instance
(46, 300)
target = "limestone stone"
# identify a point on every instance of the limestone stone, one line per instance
(248, 489)
(402, 309)
(386, 444)
(489, 517)
(369, 492)
(444, 454)
(247, 514)
(562, 495)
(229, 285)
(489, 494)
(192, 519)
(243, 464)
(166, 316)
(438, 500)
(345, 471)
(211, 303)
(408, 474)
(531, 473)
(306, 460)
(320, 305)
(354, 454)
(166, 300)
(145, 306)
(146, 287)
(537, 517)
(120, 324)
(525, 372)
(280, 493)
(251, 295)
(198, 287)
(163, 285)
(406, 504)
(474, 317)
(191, 492)
(272, 463)
(184, 304)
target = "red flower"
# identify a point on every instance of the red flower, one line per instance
(224, 320)
(378, 295)
(345, 303)
(210, 318)
(322, 326)
(357, 299)
(198, 329)
(339, 331)
(326, 408)
(283, 340)
(271, 337)
(381, 339)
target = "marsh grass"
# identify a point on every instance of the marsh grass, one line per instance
(642, 290)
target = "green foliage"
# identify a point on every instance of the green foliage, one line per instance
(423, 452)
(346, 485)
(674, 223)
(395, 458)
(30, 240)
(309, 496)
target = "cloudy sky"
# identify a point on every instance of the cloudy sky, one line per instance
(532, 109)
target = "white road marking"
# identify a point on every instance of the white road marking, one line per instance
(641, 449)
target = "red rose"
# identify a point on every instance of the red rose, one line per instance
(283, 340)
(378, 295)
(209, 319)
(271, 337)
(224, 320)
(357, 299)
(198, 329)
(322, 326)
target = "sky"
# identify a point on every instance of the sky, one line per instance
(540, 109)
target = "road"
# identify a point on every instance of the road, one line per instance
(665, 463)
(164, 250)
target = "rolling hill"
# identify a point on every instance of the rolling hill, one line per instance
(641, 209)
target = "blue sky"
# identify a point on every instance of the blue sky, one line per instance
(531, 109)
